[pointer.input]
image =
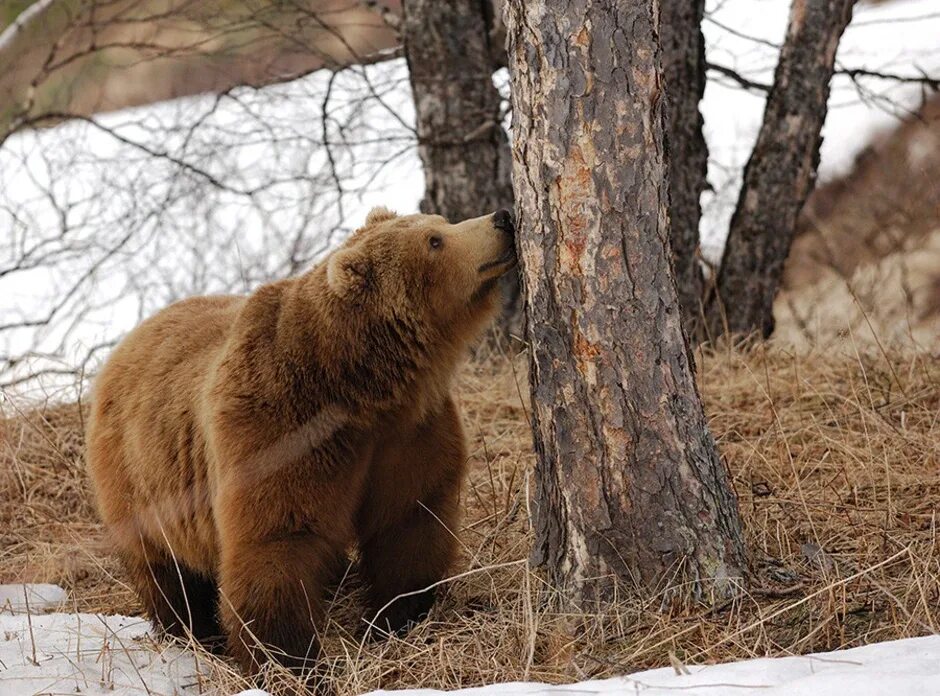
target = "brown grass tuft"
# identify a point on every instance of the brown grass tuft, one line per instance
(835, 457)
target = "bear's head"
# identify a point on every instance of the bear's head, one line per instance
(442, 276)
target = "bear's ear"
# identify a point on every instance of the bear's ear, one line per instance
(349, 271)
(379, 214)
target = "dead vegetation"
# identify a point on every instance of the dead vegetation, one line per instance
(836, 461)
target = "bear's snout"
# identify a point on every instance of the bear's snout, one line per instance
(502, 220)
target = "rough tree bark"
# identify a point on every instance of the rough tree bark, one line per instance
(780, 172)
(463, 147)
(683, 64)
(629, 485)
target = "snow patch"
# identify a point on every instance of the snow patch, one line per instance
(90, 654)
(34, 598)
(908, 667)
(117, 655)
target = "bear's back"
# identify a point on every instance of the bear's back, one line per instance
(146, 443)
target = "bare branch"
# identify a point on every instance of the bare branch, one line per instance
(745, 82)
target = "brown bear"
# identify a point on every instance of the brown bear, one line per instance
(239, 446)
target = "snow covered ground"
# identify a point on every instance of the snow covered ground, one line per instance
(896, 668)
(69, 653)
(18, 599)
(63, 653)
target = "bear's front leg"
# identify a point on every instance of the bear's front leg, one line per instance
(409, 519)
(284, 523)
(400, 562)
(271, 599)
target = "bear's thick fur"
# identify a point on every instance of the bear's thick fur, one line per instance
(238, 446)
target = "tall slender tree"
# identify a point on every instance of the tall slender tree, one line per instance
(780, 172)
(683, 61)
(461, 141)
(629, 484)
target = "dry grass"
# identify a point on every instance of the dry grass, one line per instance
(835, 457)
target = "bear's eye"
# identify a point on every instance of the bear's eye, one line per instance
(435, 242)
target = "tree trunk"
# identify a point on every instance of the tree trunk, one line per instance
(629, 485)
(461, 141)
(780, 172)
(683, 63)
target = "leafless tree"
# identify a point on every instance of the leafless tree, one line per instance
(781, 170)
(105, 217)
(108, 218)
(461, 141)
(87, 56)
(630, 487)
(684, 71)
(751, 268)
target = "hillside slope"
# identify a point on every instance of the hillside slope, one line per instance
(866, 259)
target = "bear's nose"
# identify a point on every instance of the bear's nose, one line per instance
(502, 220)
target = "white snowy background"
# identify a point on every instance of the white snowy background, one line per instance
(207, 194)
(136, 209)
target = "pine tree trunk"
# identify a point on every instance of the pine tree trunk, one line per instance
(683, 63)
(463, 147)
(781, 171)
(629, 485)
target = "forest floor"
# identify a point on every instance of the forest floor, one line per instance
(835, 457)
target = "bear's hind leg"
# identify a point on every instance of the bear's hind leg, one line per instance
(180, 601)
